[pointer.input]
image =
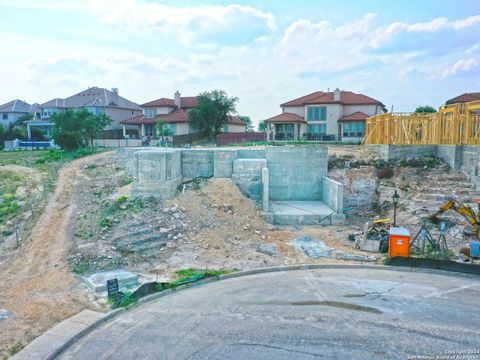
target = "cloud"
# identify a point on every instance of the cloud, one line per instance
(212, 24)
(460, 66)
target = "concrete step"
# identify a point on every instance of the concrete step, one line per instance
(144, 244)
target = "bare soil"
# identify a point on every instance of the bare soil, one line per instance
(36, 284)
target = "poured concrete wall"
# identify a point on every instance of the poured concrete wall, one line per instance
(197, 163)
(332, 194)
(247, 174)
(296, 173)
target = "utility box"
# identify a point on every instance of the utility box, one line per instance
(398, 242)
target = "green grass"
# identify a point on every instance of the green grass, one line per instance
(9, 183)
(192, 274)
(43, 159)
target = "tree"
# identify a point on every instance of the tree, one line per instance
(262, 126)
(76, 129)
(248, 123)
(93, 125)
(425, 109)
(162, 128)
(22, 119)
(210, 115)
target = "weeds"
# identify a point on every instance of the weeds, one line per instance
(81, 268)
(16, 348)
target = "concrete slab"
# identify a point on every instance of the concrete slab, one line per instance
(98, 282)
(300, 213)
(343, 313)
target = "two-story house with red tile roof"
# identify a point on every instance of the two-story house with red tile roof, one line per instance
(336, 115)
(175, 113)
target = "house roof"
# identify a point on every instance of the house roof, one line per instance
(356, 116)
(320, 97)
(93, 96)
(17, 106)
(286, 117)
(175, 117)
(185, 101)
(467, 97)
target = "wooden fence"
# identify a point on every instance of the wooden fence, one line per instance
(188, 139)
(452, 125)
(235, 138)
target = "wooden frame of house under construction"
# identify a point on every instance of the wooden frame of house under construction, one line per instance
(456, 124)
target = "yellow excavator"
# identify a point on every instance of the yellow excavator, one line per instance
(465, 211)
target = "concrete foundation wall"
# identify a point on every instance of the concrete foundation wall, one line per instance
(158, 174)
(251, 154)
(247, 174)
(197, 163)
(296, 173)
(332, 194)
(223, 163)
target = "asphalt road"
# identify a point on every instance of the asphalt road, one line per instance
(327, 314)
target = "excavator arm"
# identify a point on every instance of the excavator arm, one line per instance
(463, 210)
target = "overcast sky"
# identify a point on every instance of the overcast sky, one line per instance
(403, 53)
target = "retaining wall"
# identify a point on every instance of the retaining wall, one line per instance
(296, 173)
(465, 158)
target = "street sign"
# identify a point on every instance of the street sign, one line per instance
(112, 287)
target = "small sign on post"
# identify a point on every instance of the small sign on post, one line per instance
(112, 287)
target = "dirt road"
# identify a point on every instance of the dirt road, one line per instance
(36, 285)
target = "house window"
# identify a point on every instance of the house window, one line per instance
(5, 116)
(317, 113)
(148, 129)
(150, 113)
(97, 110)
(284, 131)
(171, 129)
(47, 112)
(353, 129)
(225, 128)
(316, 131)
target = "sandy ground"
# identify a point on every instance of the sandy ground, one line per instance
(36, 284)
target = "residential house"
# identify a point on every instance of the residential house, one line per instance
(175, 114)
(466, 97)
(334, 115)
(11, 111)
(96, 100)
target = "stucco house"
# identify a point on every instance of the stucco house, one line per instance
(11, 111)
(175, 114)
(96, 100)
(466, 97)
(335, 115)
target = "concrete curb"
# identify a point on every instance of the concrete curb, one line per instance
(58, 339)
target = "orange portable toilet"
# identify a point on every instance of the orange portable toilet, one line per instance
(398, 242)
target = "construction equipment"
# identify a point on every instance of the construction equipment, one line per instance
(375, 236)
(465, 211)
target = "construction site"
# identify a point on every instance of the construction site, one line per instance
(141, 215)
